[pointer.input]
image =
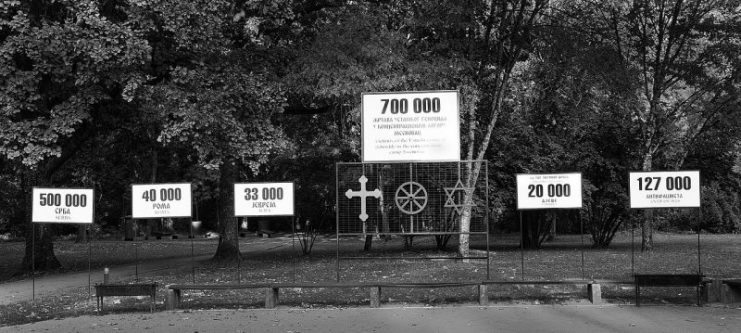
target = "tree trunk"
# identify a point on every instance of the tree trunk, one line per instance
(39, 249)
(368, 243)
(228, 249)
(152, 224)
(552, 232)
(81, 234)
(647, 239)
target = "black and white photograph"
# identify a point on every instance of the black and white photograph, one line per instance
(370, 166)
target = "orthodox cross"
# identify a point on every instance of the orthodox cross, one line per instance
(363, 194)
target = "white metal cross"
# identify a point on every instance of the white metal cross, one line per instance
(363, 194)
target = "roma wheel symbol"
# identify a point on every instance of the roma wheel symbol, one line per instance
(411, 198)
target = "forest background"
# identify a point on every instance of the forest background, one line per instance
(105, 93)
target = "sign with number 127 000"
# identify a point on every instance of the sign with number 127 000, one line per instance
(263, 199)
(160, 200)
(664, 189)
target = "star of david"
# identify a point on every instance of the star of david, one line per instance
(455, 194)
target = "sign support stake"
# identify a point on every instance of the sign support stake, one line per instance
(632, 248)
(522, 250)
(89, 261)
(33, 262)
(192, 254)
(239, 257)
(136, 259)
(699, 258)
(581, 249)
(337, 220)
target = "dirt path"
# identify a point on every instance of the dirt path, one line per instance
(541, 318)
(55, 284)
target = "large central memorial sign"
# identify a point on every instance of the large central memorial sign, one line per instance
(549, 191)
(664, 189)
(62, 205)
(263, 199)
(410, 126)
(160, 200)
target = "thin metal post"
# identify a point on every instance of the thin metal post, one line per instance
(192, 253)
(33, 262)
(632, 248)
(411, 217)
(581, 234)
(89, 255)
(522, 250)
(136, 259)
(337, 218)
(293, 245)
(239, 255)
(486, 211)
(699, 262)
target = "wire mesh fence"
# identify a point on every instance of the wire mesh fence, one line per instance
(410, 198)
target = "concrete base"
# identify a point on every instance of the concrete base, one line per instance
(483, 296)
(730, 294)
(271, 298)
(712, 291)
(375, 297)
(172, 299)
(594, 292)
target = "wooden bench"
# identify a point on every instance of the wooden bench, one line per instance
(272, 290)
(139, 289)
(731, 292)
(594, 293)
(667, 280)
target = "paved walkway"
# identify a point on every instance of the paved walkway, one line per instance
(540, 318)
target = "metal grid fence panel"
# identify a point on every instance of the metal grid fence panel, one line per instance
(409, 198)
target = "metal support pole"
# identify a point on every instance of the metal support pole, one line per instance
(488, 257)
(136, 259)
(632, 249)
(89, 255)
(486, 195)
(33, 262)
(522, 250)
(192, 253)
(293, 245)
(581, 234)
(337, 218)
(699, 261)
(239, 256)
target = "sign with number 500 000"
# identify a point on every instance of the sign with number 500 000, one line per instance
(62, 205)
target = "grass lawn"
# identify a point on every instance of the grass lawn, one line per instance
(559, 259)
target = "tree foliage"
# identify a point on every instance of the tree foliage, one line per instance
(103, 94)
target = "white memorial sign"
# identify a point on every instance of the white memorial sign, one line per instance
(160, 200)
(549, 191)
(664, 189)
(410, 126)
(62, 205)
(263, 199)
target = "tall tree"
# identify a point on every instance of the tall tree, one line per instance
(683, 55)
(60, 63)
(214, 90)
